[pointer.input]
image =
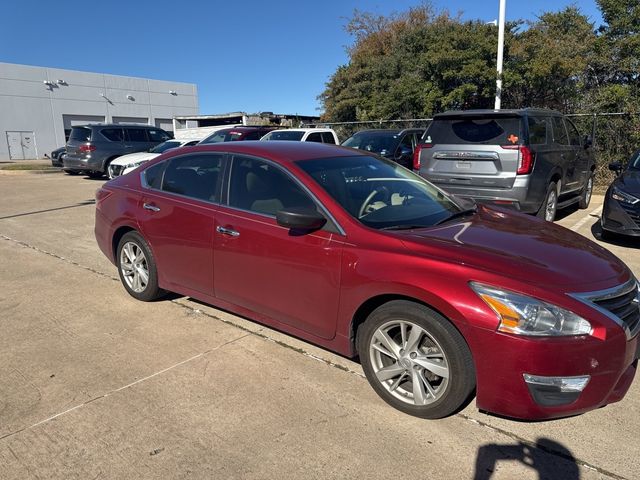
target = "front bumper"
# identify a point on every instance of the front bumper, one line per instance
(620, 218)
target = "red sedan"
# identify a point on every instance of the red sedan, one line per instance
(440, 300)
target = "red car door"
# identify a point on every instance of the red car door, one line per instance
(293, 278)
(177, 219)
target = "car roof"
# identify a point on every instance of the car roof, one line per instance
(303, 130)
(390, 131)
(506, 112)
(278, 151)
(246, 128)
(119, 125)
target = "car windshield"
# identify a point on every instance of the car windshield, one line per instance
(498, 130)
(634, 162)
(295, 135)
(382, 143)
(164, 146)
(381, 194)
(223, 136)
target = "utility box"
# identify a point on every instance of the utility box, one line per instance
(22, 145)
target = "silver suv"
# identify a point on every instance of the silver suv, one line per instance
(91, 148)
(532, 160)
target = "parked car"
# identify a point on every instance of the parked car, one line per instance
(92, 147)
(127, 163)
(621, 209)
(397, 145)
(234, 134)
(361, 256)
(318, 135)
(57, 156)
(532, 160)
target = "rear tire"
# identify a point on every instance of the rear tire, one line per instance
(416, 360)
(585, 196)
(96, 174)
(137, 268)
(550, 204)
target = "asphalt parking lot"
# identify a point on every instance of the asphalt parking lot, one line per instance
(94, 384)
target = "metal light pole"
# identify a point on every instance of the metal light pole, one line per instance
(503, 7)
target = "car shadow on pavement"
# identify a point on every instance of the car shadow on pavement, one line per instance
(614, 239)
(548, 458)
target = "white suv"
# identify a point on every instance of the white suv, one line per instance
(320, 135)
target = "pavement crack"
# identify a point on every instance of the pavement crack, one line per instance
(25, 214)
(124, 387)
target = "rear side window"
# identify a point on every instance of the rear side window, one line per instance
(315, 137)
(559, 132)
(294, 135)
(194, 176)
(113, 134)
(80, 134)
(327, 137)
(538, 128)
(136, 135)
(481, 130)
(253, 136)
(153, 175)
(158, 135)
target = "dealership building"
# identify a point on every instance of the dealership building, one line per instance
(39, 105)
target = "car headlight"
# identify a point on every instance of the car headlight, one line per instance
(135, 164)
(625, 197)
(524, 315)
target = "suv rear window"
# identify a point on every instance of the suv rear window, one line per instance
(80, 134)
(468, 130)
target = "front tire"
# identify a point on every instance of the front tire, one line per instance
(416, 360)
(137, 268)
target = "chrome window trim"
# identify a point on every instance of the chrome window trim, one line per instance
(588, 298)
(225, 201)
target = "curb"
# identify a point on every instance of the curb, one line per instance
(29, 172)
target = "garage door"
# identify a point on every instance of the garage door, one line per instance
(164, 123)
(137, 120)
(72, 120)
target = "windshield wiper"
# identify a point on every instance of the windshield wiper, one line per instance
(459, 214)
(404, 227)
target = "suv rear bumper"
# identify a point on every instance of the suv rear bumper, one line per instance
(520, 197)
(74, 162)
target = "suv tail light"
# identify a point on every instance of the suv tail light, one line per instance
(416, 154)
(525, 158)
(87, 148)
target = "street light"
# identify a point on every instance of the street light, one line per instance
(500, 53)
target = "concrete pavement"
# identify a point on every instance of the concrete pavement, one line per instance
(94, 384)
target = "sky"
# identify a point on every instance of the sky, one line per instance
(250, 55)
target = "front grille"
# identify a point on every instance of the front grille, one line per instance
(116, 170)
(622, 304)
(633, 211)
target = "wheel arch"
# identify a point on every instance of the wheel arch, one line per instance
(117, 236)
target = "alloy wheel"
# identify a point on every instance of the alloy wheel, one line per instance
(409, 363)
(550, 208)
(134, 267)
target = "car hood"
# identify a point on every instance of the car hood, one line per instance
(519, 247)
(134, 157)
(629, 182)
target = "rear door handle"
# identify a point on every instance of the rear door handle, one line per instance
(227, 231)
(149, 206)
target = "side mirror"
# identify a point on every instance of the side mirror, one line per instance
(616, 167)
(300, 218)
(588, 141)
(403, 152)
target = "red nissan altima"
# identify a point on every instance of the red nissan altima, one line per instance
(439, 299)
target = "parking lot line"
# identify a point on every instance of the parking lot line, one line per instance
(595, 213)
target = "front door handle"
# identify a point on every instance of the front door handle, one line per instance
(149, 206)
(227, 231)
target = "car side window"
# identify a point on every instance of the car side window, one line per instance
(253, 136)
(261, 187)
(574, 136)
(153, 175)
(314, 137)
(158, 135)
(327, 137)
(407, 141)
(559, 132)
(194, 176)
(538, 128)
(136, 135)
(112, 134)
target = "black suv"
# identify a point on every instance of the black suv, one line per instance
(531, 160)
(91, 148)
(396, 145)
